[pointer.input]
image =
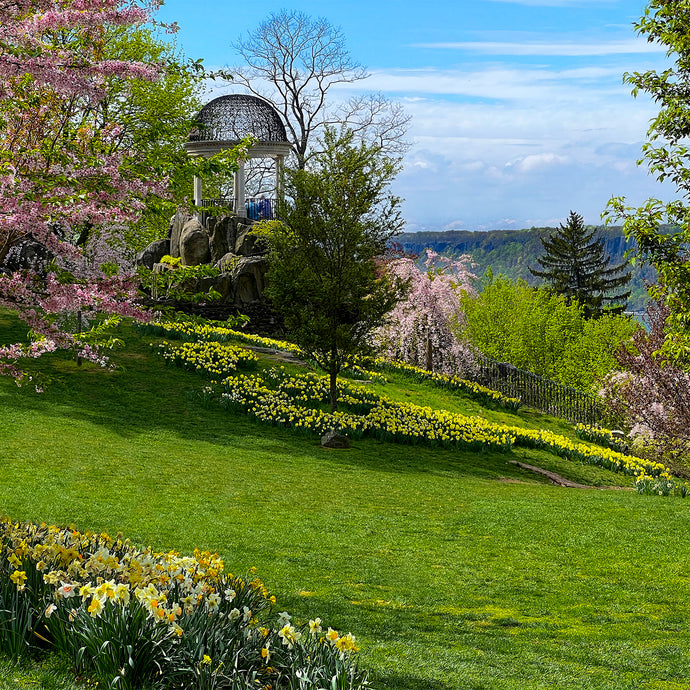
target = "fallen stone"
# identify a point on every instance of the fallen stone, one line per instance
(332, 439)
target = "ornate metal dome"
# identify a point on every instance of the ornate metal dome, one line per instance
(233, 117)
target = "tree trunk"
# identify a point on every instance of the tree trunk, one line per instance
(334, 380)
(429, 355)
(78, 333)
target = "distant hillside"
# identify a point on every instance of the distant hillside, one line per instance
(512, 252)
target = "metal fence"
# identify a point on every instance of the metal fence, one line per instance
(537, 392)
(257, 208)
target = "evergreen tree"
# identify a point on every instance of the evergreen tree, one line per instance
(576, 266)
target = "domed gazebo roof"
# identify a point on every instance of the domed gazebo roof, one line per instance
(225, 121)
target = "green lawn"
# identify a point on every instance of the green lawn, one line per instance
(453, 569)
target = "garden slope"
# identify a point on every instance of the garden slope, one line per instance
(449, 578)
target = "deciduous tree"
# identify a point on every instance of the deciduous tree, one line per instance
(667, 156)
(60, 171)
(537, 330)
(294, 60)
(154, 120)
(323, 276)
(422, 329)
(650, 393)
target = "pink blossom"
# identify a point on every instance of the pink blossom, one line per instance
(49, 192)
(425, 323)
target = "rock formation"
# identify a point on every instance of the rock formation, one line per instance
(225, 242)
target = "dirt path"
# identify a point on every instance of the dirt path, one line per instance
(552, 476)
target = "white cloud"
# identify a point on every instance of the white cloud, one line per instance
(500, 82)
(565, 49)
(499, 144)
(539, 145)
(538, 161)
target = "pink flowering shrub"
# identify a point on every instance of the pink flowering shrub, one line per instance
(61, 176)
(421, 329)
(651, 394)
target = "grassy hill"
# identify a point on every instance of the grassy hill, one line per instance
(454, 569)
(512, 252)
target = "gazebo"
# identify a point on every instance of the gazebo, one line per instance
(223, 123)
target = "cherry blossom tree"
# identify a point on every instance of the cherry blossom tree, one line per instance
(422, 329)
(60, 174)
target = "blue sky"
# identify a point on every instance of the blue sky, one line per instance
(519, 114)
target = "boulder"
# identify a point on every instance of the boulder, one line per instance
(224, 285)
(227, 263)
(245, 244)
(227, 225)
(194, 244)
(218, 240)
(332, 439)
(249, 278)
(177, 222)
(152, 254)
(29, 254)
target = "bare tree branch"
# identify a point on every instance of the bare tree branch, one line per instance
(293, 60)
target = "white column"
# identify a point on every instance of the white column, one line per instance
(197, 191)
(279, 177)
(238, 185)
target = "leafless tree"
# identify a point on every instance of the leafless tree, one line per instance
(293, 60)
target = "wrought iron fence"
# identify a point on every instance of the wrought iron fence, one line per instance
(540, 393)
(218, 203)
(257, 208)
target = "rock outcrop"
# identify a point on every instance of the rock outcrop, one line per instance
(195, 247)
(153, 253)
(225, 242)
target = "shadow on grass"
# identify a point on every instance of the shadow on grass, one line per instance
(144, 394)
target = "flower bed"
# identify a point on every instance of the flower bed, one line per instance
(602, 437)
(477, 392)
(129, 617)
(203, 332)
(213, 359)
(300, 402)
(357, 369)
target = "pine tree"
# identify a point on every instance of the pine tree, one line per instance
(576, 266)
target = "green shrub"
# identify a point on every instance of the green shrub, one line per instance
(537, 330)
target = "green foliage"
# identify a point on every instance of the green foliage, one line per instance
(16, 620)
(122, 648)
(154, 119)
(173, 261)
(278, 397)
(536, 330)
(576, 266)
(323, 274)
(471, 389)
(129, 618)
(459, 569)
(180, 283)
(665, 22)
